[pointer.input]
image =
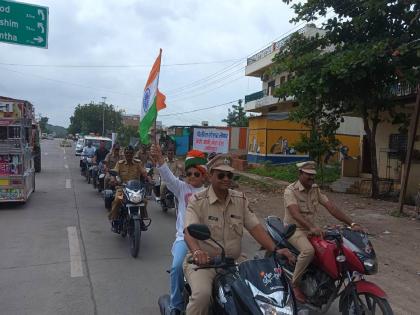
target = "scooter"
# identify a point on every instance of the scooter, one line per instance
(257, 286)
(342, 259)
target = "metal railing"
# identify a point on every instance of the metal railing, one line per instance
(402, 89)
(276, 46)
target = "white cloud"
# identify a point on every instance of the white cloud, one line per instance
(131, 32)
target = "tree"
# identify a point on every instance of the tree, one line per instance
(368, 47)
(125, 133)
(87, 118)
(43, 121)
(236, 117)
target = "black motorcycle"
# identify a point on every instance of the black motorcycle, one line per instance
(98, 177)
(133, 217)
(257, 286)
(168, 199)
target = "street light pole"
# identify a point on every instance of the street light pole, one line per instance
(103, 115)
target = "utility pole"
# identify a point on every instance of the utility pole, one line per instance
(103, 115)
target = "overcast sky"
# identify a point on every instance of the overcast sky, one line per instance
(130, 32)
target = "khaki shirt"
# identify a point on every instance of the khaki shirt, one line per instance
(225, 220)
(174, 166)
(308, 202)
(111, 160)
(130, 171)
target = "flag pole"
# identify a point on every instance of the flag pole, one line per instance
(154, 125)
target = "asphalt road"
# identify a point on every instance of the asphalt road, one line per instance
(58, 255)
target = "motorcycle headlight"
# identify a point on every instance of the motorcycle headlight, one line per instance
(269, 309)
(135, 197)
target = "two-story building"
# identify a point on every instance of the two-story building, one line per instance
(271, 134)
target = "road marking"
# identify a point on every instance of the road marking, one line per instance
(68, 183)
(66, 166)
(76, 269)
(65, 157)
(46, 153)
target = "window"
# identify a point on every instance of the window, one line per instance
(270, 87)
(398, 145)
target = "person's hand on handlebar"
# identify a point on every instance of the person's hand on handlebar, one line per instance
(316, 231)
(285, 252)
(200, 257)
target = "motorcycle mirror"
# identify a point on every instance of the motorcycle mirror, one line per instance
(199, 231)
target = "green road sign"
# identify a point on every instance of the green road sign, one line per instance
(23, 24)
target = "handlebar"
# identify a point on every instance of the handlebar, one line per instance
(214, 262)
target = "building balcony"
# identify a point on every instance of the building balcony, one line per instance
(259, 62)
(260, 101)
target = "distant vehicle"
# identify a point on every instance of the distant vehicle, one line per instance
(65, 143)
(44, 136)
(80, 145)
(96, 140)
(50, 137)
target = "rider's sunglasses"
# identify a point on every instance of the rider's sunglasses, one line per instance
(222, 175)
(196, 174)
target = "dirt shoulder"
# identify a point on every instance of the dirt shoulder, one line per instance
(396, 240)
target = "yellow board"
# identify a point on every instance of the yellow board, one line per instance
(4, 182)
(273, 136)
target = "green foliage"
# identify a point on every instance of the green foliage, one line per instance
(366, 49)
(60, 132)
(43, 124)
(87, 118)
(236, 117)
(289, 173)
(125, 133)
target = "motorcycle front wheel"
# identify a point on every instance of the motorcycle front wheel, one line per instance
(367, 304)
(135, 236)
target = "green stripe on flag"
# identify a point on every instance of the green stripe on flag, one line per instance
(147, 122)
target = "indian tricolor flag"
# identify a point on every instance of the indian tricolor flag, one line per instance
(153, 101)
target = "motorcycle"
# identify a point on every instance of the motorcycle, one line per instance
(98, 177)
(132, 218)
(86, 163)
(149, 186)
(342, 258)
(257, 286)
(168, 199)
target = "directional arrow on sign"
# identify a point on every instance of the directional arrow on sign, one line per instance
(38, 39)
(41, 13)
(41, 26)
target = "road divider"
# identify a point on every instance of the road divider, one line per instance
(76, 268)
(68, 183)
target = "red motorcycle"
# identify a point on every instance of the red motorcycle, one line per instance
(342, 258)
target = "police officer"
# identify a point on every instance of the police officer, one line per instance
(226, 212)
(301, 203)
(110, 161)
(127, 169)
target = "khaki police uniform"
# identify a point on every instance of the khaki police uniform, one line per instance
(111, 160)
(226, 221)
(308, 202)
(126, 171)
